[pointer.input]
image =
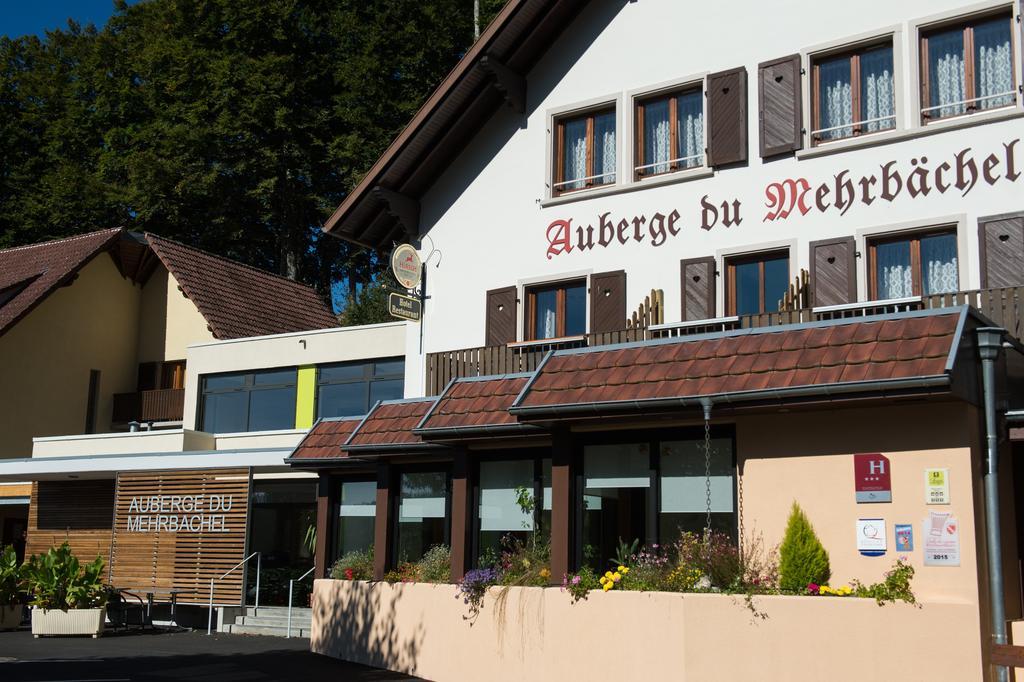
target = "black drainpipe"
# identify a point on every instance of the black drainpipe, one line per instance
(990, 343)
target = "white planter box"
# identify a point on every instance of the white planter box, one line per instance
(10, 617)
(70, 622)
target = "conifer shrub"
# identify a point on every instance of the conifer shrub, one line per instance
(803, 560)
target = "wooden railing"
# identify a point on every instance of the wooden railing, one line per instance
(162, 405)
(1005, 307)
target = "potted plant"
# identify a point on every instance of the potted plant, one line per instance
(10, 589)
(68, 598)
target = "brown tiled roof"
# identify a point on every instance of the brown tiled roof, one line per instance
(237, 300)
(325, 439)
(28, 274)
(389, 425)
(475, 405)
(752, 361)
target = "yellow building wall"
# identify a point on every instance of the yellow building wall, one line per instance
(45, 359)
(168, 320)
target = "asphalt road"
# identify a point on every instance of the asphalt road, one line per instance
(160, 656)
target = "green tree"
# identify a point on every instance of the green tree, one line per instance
(802, 557)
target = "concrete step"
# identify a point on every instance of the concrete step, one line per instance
(274, 611)
(273, 631)
(274, 621)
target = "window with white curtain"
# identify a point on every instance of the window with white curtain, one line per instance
(585, 151)
(921, 264)
(854, 93)
(556, 310)
(670, 132)
(968, 67)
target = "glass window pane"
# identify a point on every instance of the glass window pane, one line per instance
(421, 514)
(893, 278)
(690, 129)
(877, 90)
(342, 400)
(939, 271)
(574, 154)
(225, 412)
(223, 381)
(348, 371)
(604, 148)
(835, 99)
(657, 137)
(390, 389)
(776, 281)
(576, 310)
(545, 314)
(272, 409)
(748, 288)
(277, 376)
(389, 367)
(683, 487)
(617, 482)
(356, 514)
(993, 64)
(947, 88)
(499, 513)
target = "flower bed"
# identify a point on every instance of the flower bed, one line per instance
(538, 633)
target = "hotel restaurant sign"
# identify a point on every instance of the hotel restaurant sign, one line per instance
(791, 197)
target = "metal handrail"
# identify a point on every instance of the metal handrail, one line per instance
(291, 586)
(209, 621)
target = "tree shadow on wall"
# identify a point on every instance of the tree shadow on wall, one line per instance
(358, 623)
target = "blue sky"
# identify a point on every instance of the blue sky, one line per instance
(21, 17)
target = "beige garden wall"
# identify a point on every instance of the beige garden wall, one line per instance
(538, 634)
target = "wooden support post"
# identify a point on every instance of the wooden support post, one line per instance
(462, 515)
(382, 522)
(561, 505)
(324, 527)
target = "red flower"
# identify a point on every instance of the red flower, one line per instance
(349, 575)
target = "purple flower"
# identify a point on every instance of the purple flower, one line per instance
(575, 580)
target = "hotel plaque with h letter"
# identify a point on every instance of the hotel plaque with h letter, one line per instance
(872, 478)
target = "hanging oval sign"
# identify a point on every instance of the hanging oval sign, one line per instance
(406, 266)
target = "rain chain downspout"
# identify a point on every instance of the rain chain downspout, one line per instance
(706, 404)
(990, 343)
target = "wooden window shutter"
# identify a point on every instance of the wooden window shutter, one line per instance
(608, 302)
(501, 316)
(833, 271)
(1001, 243)
(780, 104)
(727, 112)
(697, 288)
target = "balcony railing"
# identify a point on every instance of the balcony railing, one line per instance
(1005, 307)
(161, 405)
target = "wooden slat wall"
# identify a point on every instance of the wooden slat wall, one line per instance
(182, 560)
(79, 512)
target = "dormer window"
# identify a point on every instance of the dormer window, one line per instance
(584, 151)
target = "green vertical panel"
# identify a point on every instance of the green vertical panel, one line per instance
(305, 397)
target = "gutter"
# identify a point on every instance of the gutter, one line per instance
(480, 430)
(926, 384)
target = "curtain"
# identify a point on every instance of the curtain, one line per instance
(574, 156)
(993, 64)
(604, 148)
(894, 276)
(657, 134)
(946, 78)
(690, 132)
(939, 265)
(876, 89)
(835, 99)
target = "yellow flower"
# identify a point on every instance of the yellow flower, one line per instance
(545, 573)
(603, 580)
(616, 577)
(623, 570)
(608, 586)
(608, 574)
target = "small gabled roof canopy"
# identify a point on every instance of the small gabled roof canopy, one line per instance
(388, 427)
(323, 442)
(476, 406)
(384, 206)
(906, 354)
(237, 300)
(28, 274)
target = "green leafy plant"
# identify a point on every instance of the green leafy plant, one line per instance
(58, 580)
(579, 584)
(624, 553)
(10, 577)
(309, 540)
(436, 565)
(895, 587)
(803, 560)
(354, 565)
